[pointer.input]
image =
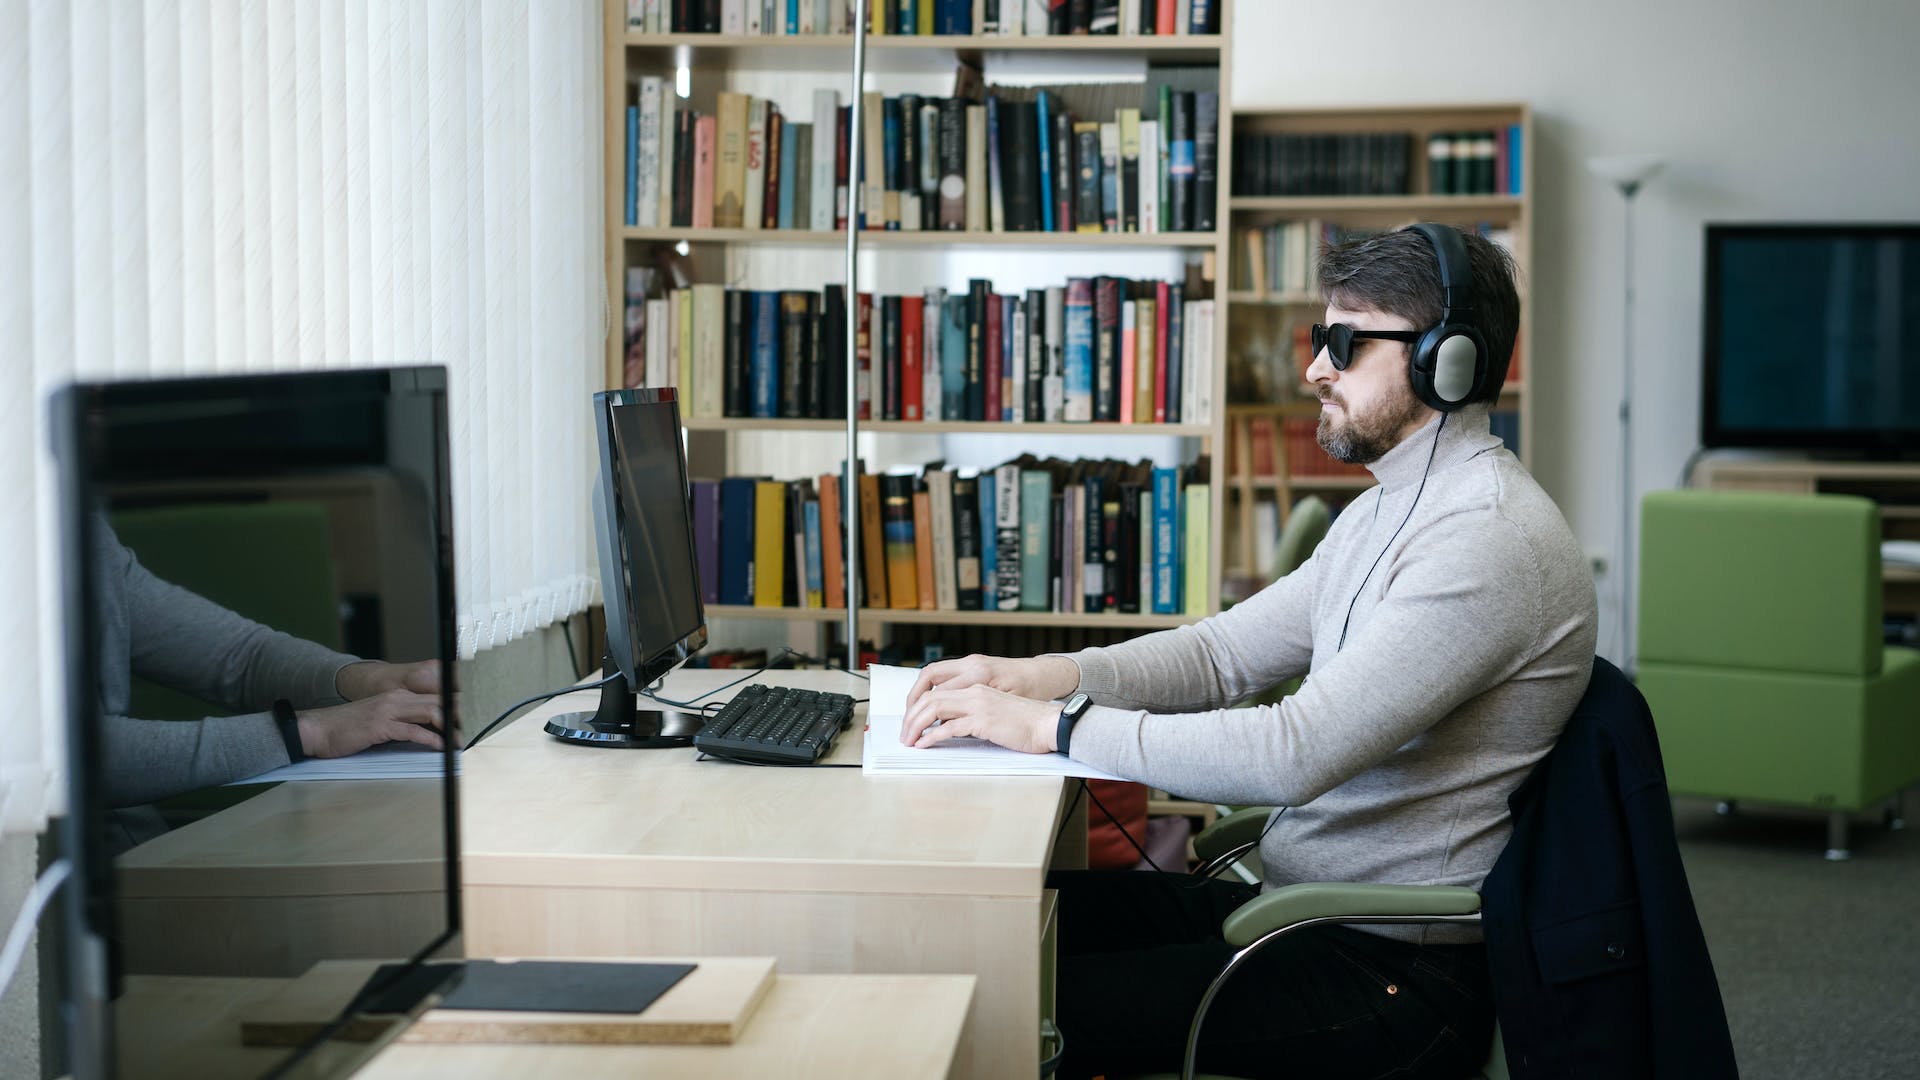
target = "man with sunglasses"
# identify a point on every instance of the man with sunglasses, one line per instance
(1445, 628)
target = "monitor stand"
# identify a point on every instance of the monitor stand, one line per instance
(620, 722)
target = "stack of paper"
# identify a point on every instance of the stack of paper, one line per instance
(386, 761)
(884, 753)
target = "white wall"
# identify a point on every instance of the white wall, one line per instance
(1766, 110)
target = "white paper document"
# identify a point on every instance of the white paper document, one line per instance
(386, 761)
(887, 689)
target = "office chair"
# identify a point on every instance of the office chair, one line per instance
(1760, 652)
(1306, 526)
(1598, 962)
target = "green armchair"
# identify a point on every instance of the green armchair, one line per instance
(1760, 653)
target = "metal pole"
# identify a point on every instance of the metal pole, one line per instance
(849, 479)
(1626, 442)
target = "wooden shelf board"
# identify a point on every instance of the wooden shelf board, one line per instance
(902, 238)
(946, 427)
(1176, 46)
(1331, 483)
(953, 618)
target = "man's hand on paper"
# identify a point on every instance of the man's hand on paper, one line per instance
(1039, 677)
(983, 712)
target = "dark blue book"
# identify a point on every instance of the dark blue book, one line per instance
(1046, 166)
(706, 536)
(763, 315)
(736, 540)
(1176, 328)
(633, 163)
(953, 17)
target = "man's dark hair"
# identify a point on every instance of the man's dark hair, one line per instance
(1399, 274)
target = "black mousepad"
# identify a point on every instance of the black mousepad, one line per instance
(557, 986)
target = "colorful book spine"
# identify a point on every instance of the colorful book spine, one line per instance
(989, 543)
(896, 519)
(633, 165)
(1078, 390)
(1008, 567)
(1036, 553)
(1194, 549)
(1166, 542)
(705, 136)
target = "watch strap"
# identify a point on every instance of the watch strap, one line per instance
(288, 722)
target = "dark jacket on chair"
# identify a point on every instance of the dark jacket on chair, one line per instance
(1599, 966)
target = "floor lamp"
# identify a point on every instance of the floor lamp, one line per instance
(1626, 173)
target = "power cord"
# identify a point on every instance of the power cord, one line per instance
(536, 699)
(1176, 880)
(29, 917)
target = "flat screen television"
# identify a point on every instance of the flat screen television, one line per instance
(1812, 337)
(233, 545)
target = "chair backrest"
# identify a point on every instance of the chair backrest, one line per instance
(1760, 580)
(1306, 526)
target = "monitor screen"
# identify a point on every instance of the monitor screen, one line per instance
(1812, 336)
(651, 582)
(257, 571)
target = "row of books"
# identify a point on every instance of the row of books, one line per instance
(1283, 257)
(1008, 18)
(1030, 535)
(1017, 162)
(1094, 349)
(1350, 163)
(1475, 162)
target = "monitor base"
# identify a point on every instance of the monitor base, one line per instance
(620, 723)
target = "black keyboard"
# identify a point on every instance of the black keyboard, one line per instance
(776, 725)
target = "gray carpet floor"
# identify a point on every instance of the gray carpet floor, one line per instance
(1819, 962)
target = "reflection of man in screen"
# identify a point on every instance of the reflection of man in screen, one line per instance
(159, 631)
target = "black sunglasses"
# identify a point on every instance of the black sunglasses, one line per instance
(1338, 341)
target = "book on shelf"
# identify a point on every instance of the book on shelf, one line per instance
(925, 18)
(1322, 163)
(1034, 535)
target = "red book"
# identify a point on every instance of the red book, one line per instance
(911, 308)
(993, 361)
(705, 134)
(863, 354)
(770, 208)
(1160, 351)
(1163, 18)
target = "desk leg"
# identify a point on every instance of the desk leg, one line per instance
(1070, 825)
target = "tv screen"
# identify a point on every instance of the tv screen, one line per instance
(1812, 337)
(257, 571)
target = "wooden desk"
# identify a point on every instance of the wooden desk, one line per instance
(572, 851)
(825, 1026)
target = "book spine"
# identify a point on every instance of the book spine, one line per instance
(1144, 338)
(1054, 385)
(896, 513)
(1043, 131)
(1206, 160)
(1110, 567)
(1176, 340)
(833, 553)
(953, 358)
(632, 216)
(1106, 348)
(1036, 490)
(791, 169)
(966, 542)
(863, 355)
(753, 193)
(874, 168)
(996, 174)
(1078, 388)
(989, 543)
(833, 349)
(1020, 159)
(770, 539)
(706, 536)
(841, 151)
(1093, 579)
(815, 366)
(1087, 180)
(929, 166)
(953, 163)
(872, 543)
(704, 138)
(1129, 185)
(820, 202)
(1110, 176)
(737, 536)
(648, 201)
(994, 360)
(793, 331)
(1180, 164)
(1165, 540)
(1194, 549)
(933, 307)
(816, 573)
(923, 550)
(911, 358)
(946, 596)
(1036, 352)
(976, 362)
(770, 192)
(1150, 176)
(976, 186)
(730, 170)
(1128, 347)
(1007, 558)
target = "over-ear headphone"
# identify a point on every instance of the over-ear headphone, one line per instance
(1449, 363)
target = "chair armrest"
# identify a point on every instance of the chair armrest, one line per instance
(1238, 829)
(1333, 900)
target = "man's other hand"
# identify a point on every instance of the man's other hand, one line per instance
(397, 715)
(369, 677)
(1012, 721)
(1040, 677)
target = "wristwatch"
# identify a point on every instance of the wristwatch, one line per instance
(1070, 714)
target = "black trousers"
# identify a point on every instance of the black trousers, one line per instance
(1137, 951)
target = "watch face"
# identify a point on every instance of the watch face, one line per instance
(1077, 704)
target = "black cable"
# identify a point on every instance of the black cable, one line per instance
(693, 703)
(1071, 807)
(1172, 879)
(1424, 473)
(537, 698)
(1686, 468)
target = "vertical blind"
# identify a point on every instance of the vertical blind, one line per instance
(206, 186)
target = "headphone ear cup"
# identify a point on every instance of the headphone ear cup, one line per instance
(1449, 366)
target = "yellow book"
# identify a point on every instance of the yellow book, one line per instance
(683, 345)
(1144, 341)
(896, 525)
(925, 25)
(1198, 519)
(730, 168)
(769, 543)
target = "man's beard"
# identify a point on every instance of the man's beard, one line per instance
(1363, 440)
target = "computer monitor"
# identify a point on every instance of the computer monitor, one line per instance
(648, 578)
(231, 546)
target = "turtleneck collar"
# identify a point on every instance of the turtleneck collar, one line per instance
(1466, 434)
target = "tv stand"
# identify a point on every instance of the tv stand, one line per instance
(621, 723)
(1894, 485)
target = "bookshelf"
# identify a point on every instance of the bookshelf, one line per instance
(787, 70)
(1294, 164)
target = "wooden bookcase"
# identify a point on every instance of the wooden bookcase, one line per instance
(1264, 320)
(787, 69)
